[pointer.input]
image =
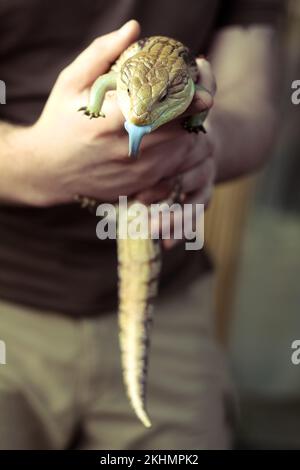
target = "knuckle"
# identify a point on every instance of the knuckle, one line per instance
(64, 76)
(97, 42)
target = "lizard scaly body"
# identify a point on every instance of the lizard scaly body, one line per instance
(156, 79)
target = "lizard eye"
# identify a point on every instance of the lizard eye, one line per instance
(163, 97)
(128, 91)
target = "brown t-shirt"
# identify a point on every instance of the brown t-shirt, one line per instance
(50, 258)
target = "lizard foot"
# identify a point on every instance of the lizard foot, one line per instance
(91, 114)
(188, 126)
(86, 202)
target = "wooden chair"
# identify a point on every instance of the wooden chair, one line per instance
(224, 232)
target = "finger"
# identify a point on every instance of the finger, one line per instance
(167, 160)
(201, 183)
(207, 78)
(136, 175)
(191, 181)
(157, 193)
(198, 180)
(164, 134)
(98, 57)
(196, 202)
(202, 149)
(204, 96)
(198, 184)
(202, 101)
(199, 176)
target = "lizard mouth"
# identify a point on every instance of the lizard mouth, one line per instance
(136, 133)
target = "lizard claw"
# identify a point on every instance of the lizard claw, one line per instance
(193, 128)
(86, 202)
(91, 114)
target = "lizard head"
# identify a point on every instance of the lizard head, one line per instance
(150, 94)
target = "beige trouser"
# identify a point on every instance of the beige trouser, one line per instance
(63, 379)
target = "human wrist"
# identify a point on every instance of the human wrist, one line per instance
(19, 183)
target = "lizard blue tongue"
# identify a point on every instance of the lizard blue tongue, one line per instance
(136, 133)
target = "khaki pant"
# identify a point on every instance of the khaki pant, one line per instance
(62, 387)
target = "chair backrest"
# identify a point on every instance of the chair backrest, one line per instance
(224, 232)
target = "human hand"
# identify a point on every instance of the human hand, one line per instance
(72, 155)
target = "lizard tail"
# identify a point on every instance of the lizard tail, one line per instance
(139, 268)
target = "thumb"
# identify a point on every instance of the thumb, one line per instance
(99, 56)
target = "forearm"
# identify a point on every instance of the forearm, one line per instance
(16, 185)
(243, 120)
(242, 138)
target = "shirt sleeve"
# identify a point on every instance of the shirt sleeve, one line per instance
(249, 12)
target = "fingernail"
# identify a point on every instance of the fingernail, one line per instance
(124, 28)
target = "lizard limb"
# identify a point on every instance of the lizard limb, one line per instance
(103, 84)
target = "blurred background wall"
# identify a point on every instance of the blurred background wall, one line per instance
(253, 231)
